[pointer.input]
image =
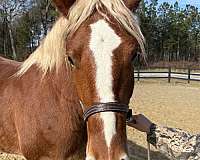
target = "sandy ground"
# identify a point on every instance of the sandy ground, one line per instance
(175, 105)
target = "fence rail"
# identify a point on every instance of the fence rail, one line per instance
(188, 74)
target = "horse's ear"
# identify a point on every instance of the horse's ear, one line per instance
(132, 4)
(63, 5)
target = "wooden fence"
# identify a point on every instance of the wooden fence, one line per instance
(169, 73)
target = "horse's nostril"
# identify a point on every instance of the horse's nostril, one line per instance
(125, 157)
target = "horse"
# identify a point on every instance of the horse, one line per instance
(84, 65)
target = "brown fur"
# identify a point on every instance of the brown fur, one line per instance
(84, 79)
(64, 6)
(41, 115)
(132, 4)
(52, 127)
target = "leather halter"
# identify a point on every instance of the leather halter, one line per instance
(108, 107)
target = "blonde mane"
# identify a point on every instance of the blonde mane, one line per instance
(51, 53)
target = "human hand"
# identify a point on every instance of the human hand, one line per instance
(141, 123)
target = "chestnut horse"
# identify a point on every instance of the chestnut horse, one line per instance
(85, 59)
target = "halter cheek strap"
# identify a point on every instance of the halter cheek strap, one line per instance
(108, 107)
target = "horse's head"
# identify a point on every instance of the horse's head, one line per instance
(104, 42)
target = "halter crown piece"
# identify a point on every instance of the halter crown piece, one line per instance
(108, 107)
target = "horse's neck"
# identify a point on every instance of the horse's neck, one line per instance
(56, 93)
(58, 82)
(62, 81)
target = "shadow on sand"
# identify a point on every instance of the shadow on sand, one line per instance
(137, 152)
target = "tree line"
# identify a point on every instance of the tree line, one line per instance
(23, 24)
(172, 33)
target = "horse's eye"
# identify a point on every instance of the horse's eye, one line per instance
(71, 61)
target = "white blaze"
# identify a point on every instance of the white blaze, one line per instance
(103, 42)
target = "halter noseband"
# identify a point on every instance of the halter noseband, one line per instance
(108, 107)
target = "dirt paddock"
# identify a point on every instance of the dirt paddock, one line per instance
(176, 105)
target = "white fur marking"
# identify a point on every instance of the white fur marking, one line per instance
(90, 158)
(103, 42)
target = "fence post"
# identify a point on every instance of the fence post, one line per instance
(138, 73)
(189, 75)
(138, 69)
(169, 75)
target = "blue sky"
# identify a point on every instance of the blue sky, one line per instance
(182, 3)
